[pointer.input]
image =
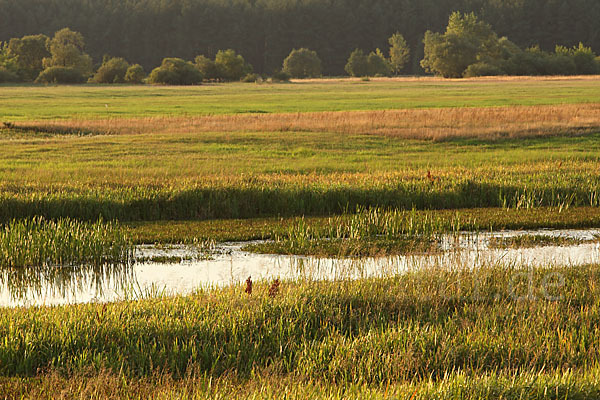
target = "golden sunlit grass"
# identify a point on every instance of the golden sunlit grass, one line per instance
(438, 124)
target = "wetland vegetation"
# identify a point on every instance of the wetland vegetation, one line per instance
(330, 168)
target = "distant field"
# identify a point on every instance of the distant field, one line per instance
(67, 102)
(164, 161)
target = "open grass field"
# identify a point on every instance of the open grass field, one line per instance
(246, 161)
(67, 102)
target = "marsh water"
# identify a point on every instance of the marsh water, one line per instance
(229, 264)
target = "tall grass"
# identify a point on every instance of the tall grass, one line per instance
(415, 327)
(38, 242)
(456, 386)
(370, 231)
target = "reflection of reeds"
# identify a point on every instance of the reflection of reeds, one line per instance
(38, 242)
(40, 257)
(430, 124)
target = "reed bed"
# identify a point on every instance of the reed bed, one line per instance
(415, 328)
(38, 242)
(367, 232)
(438, 124)
(108, 386)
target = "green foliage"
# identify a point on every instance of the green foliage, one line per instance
(465, 41)
(112, 70)
(175, 71)
(482, 69)
(448, 55)
(358, 64)
(8, 76)
(377, 65)
(266, 31)
(231, 66)
(66, 51)
(60, 75)
(8, 65)
(281, 76)
(302, 63)
(135, 74)
(207, 67)
(583, 58)
(30, 52)
(38, 242)
(251, 78)
(399, 52)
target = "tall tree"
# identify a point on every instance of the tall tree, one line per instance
(399, 52)
(66, 50)
(29, 51)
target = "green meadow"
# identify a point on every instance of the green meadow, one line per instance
(92, 101)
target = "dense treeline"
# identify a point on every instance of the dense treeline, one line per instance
(264, 31)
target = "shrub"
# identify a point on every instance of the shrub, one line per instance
(60, 75)
(207, 67)
(281, 76)
(175, 71)
(135, 74)
(357, 64)
(250, 78)
(377, 65)
(231, 66)
(482, 69)
(7, 76)
(302, 63)
(112, 70)
(559, 64)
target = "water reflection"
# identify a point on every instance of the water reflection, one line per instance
(26, 287)
(67, 284)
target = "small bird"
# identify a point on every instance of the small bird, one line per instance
(249, 285)
(274, 289)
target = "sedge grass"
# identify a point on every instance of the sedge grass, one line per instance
(105, 385)
(367, 232)
(38, 242)
(237, 230)
(417, 327)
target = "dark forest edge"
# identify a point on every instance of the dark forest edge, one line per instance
(264, 31)
(469, 47)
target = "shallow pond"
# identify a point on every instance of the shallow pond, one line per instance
(229, 264)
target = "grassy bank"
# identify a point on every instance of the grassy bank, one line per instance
(416, 331)
(242, 175)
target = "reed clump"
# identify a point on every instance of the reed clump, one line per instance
(368, 232)
(38, 242)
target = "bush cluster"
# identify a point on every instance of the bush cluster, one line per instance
(468, 48)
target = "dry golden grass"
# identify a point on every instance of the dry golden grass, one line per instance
(428, 124)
